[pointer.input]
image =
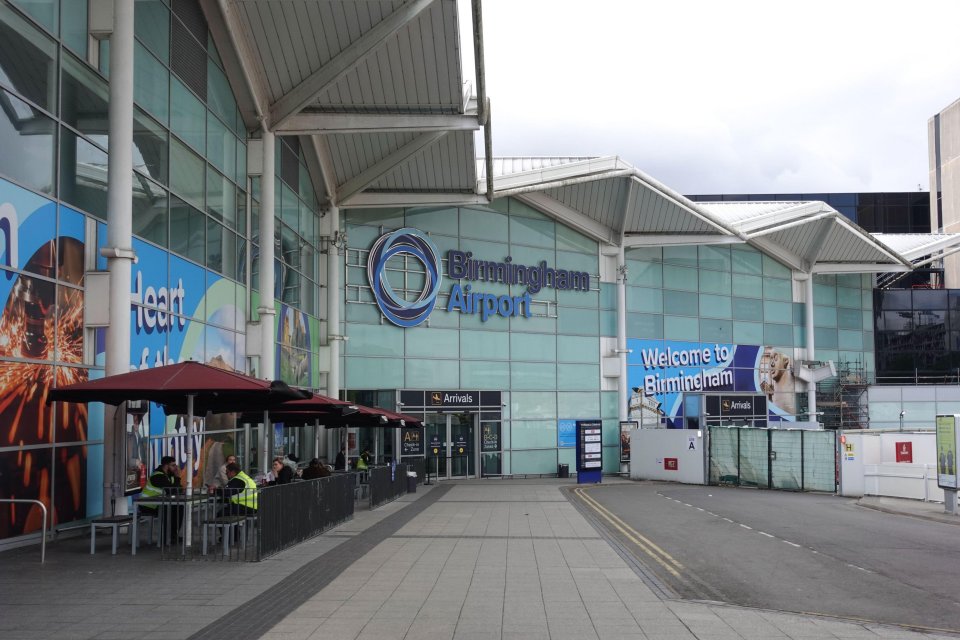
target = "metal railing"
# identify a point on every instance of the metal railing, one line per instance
(226, 530)
(387, 483)
(291, 513)
(43, 507)
(920, 377)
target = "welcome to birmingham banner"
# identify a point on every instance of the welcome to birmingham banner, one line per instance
(666, 370)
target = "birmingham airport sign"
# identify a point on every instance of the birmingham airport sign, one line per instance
(463, 267)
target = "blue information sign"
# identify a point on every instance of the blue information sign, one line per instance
(566, 433)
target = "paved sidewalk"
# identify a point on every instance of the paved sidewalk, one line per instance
(505, 560)
(914, 508)
(476, 560)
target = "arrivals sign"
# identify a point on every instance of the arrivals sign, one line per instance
(465, 268)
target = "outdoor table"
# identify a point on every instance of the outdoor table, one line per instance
(191, 505)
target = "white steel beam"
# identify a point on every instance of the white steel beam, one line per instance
(834, 267)
(569, 216)
(240, 62)
(780, 254)
(412, 199)
(627, 207)
(377, 170)
(326, 166)
(313, 123)
(660, 240)
(341, 64)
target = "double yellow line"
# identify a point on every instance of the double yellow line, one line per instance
(661, 557)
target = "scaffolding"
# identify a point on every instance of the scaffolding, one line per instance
(840, 399)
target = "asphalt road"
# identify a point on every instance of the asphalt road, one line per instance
(809, 553)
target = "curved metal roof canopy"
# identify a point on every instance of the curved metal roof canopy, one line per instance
(613, 202)
(373, 89)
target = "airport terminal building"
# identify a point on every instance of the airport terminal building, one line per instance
(149, 150)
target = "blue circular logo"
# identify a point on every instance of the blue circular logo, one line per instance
(396, 308)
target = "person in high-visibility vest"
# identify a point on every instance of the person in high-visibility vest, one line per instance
(163, 482)
(241, 493)
(363, 462)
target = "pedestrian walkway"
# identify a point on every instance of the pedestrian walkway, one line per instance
(915, 508)
(474, 560)
(504, 560)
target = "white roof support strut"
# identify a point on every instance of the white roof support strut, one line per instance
(322, 123)
(321, 79)
(371, 174)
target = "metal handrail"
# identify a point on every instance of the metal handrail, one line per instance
(43, 540)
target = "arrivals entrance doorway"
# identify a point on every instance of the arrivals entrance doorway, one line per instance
(456, 434)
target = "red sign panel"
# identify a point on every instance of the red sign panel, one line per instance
(670, 464)
(904, 452)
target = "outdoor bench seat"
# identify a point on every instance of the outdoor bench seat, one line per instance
(225, 526)
(114, 523)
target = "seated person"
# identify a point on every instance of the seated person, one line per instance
(282, 474)
(221, 479)
(363, 462)
(240, 493)
(164, 481)
(315, 470)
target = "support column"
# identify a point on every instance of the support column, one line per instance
(266, 285)
(811, 346)
(119, 249)
(268, 369)
(624, 385)
(333, 304)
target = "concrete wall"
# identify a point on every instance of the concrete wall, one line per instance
(649, 448)
(868, 465)
(949, 183)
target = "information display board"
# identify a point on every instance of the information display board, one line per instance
(411, 441)
(436, 446)
(589, 451)
(489, 437)
(947, 451)
(625, 428)
(460, 444)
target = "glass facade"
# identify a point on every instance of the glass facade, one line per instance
(194, 209)
(548, 365)
(918, 334)
(885, 212)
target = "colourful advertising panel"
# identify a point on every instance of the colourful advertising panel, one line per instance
(661, 372)
(41, 273)
(181, 312)
(947, 452)
(625, 428)
(293, 347)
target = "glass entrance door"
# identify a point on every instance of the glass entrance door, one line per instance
(462, 456)
(454, 434)
(435, 432)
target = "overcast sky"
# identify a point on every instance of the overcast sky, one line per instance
(732, 96)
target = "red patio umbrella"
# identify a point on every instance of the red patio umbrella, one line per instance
(212, 389)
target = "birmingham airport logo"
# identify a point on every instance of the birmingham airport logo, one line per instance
(404, 242)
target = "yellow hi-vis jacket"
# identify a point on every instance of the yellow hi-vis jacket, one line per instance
(247, 497)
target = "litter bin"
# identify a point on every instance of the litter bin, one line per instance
(563, 471)
(411, 481)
